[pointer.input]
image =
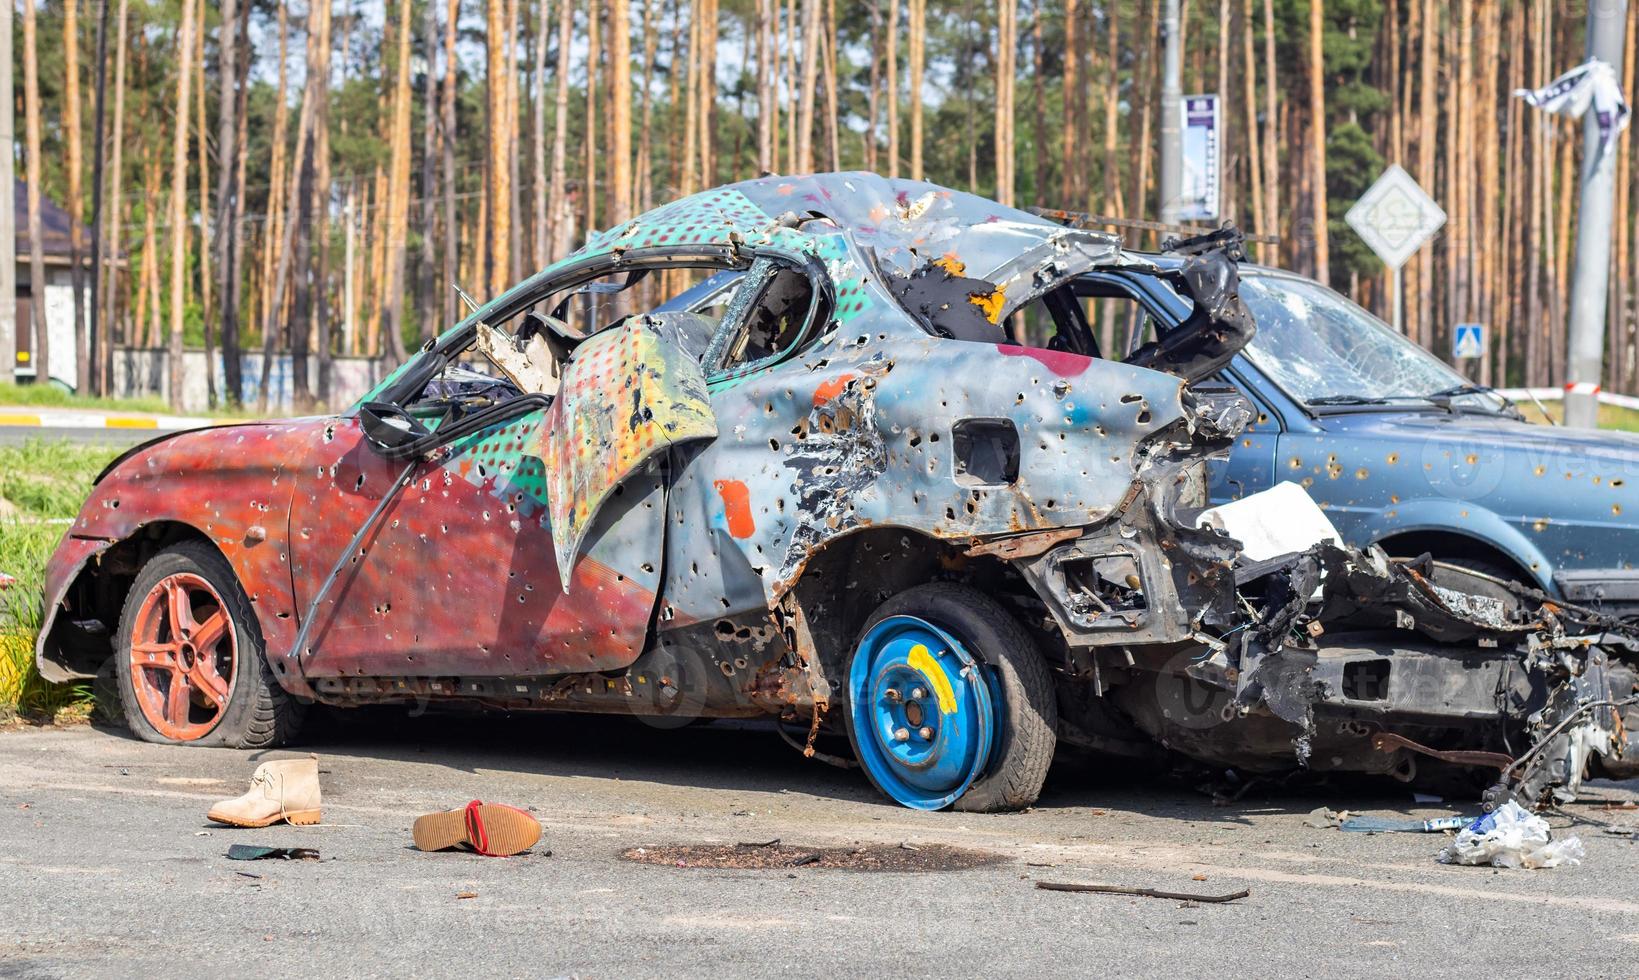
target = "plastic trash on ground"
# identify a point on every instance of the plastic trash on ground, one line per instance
(1511, 837)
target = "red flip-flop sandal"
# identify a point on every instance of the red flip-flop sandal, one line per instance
(490, 829)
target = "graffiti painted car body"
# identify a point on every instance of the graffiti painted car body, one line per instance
(1404, 453)
(855, 495)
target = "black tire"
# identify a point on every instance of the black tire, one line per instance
(1025, 743)
(259, 713)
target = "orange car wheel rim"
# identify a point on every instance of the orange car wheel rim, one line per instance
(184, 657)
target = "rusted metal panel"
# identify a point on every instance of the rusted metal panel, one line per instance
(626, 396)
(230, 484)
(859, 434)
(460, 577)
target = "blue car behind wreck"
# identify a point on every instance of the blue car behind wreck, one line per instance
(1401, 450)
(872, 477)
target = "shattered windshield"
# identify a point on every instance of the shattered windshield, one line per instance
(1324, 350)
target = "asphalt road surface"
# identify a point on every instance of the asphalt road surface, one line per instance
(108, 867)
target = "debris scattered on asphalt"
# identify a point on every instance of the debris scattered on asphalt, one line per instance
(1629, 832)
(1389, 825)
(460, 895)
(782, 857)
(1068, 886)
(257, 852)
(1511, 837)
(765, 843)
(250, 874)
(490, 829)
(1322, 817)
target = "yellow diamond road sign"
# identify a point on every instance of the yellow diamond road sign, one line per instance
(1395, 217)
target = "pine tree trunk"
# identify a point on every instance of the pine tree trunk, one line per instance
(227, 203)
(766, 107)
(514, 200)
(273, 229)
(1007, 43)
(427, 260)
(320, 219)
(398, 192)
(594, 59)
(1038, 109)
(499, 111)
(708, 94)
(202, 145)
(620, 95)
(810, 71)
(448, 134)
(1254, 142)
(1070, 138)
(541, 254)
(148, 326)
(918, 70)
(286, 245)
(1112, 117)
(1271, 124)
(111, 234)
(829, 42)
(558, 199)
(36, 248)
(892, 81)
(179, 201)
(76, 241)
(1317, 139)
(873, 91)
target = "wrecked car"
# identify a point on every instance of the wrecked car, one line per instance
(852, 493)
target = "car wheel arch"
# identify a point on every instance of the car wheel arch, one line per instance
(845, 580)
(98, 587)
(1449, 544)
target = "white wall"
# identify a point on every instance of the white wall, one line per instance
(59, 296)
(141, 371)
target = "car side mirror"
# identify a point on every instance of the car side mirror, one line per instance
(389, 428)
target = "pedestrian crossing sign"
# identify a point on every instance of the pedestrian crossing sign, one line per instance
(1468, 340)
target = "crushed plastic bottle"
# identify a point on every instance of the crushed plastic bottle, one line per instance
(1512, 837)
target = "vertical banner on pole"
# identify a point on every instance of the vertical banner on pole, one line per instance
(1202, 151)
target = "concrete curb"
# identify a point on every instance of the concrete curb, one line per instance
(53, 419)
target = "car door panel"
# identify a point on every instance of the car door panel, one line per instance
(627, 395)
(459, 576)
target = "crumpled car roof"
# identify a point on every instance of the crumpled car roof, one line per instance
(907, 223)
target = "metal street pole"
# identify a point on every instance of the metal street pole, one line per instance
(8, 208)
(1172, 94)
(1585, 355)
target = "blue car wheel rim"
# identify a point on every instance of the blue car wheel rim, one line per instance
(923, 711)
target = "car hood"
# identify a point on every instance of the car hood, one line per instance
(1494, 432)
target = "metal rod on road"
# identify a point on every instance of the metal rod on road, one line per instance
(1585, 354)
(1172, 150)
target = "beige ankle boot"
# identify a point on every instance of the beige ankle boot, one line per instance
(284, 790)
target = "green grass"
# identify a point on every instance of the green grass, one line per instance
(41, 484)
(51, 396)
(1610, 416)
